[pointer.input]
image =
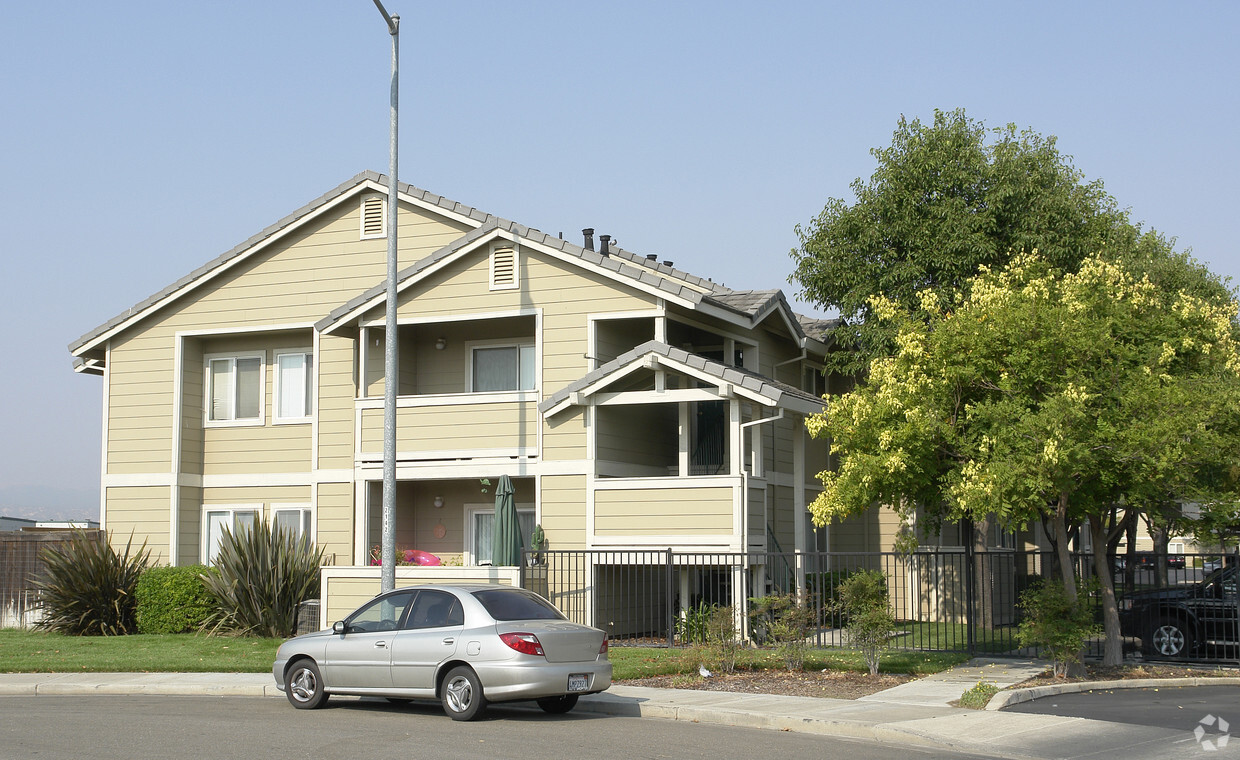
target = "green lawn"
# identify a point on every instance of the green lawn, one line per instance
(955, 636)
(37, 652)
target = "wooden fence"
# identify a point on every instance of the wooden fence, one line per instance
(20, 565)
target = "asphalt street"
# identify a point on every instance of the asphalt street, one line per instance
(241, 728)
(1179, 708)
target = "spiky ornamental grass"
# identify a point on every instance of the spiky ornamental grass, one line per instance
(88, 589)
(264, 573)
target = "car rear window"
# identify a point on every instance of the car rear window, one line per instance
(516, 605)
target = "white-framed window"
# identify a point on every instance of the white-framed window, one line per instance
(218, 519)
(234, 389)
(500, 367)
(293, 518)
(479, 540)
(294, 391)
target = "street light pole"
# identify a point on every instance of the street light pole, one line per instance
(387, 576)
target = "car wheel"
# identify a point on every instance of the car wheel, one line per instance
(462, 695)
(558, 705)
(1168, 637)
(303, 685)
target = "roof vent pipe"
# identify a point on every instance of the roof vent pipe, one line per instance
(652, 257)
(604, 244)
(588, 232)
(667, 264)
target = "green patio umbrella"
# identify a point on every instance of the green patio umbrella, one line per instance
(506, 532)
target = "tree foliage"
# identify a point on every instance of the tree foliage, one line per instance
(1039, 394)
(946, 199)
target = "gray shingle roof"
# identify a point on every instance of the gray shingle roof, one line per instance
(778, 392)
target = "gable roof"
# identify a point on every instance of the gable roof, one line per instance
(746, 383)
(643, 271)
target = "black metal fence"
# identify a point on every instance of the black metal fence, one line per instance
(954, 601)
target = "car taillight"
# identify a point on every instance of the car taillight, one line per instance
(603, 649)
(525, 643)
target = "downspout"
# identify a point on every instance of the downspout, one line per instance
(745, 475)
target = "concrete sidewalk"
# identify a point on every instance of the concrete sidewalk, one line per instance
(916, 713)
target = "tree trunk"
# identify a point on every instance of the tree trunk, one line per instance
(1059, 523)
(1113, 649)
(983, 575)
(1130, 558)
(1161, 537)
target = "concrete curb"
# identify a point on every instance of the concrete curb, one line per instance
(885, 733)
(1017, 696)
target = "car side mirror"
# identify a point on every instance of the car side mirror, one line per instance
(338, 627)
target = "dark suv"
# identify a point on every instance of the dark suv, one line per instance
(1179, 621)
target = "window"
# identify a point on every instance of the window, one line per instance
(218, 520)
(481, 542)
(294, 387)
(234, 390)
(295, 520)
(435, 609)
(382, 614)
(502, 368)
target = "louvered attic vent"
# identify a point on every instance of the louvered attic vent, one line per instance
(503, 269)
(373, 209)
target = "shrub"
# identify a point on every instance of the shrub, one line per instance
(692, 626)
(786, 623)
(88, 589)
(173, 599)
(1054, 624)
(721, 640)
(978, 696)
(863, 598)
(263, 574)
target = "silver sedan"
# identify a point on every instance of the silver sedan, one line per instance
(464, 645)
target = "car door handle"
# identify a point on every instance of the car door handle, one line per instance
(449, 641)
(380, 645)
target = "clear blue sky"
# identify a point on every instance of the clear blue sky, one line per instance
(139, 140)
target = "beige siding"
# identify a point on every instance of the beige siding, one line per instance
(140, 512)
(192, 389)
(334, 515)
(295, 280)
(259, 449)
(563, 517)
(508, 426)
(189, 533)
(664, 511)
(336, 390)
(757, 514)
(265, 495)
(565, 294)
(645, 438)
(564, 436)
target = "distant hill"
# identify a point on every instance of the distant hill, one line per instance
(49, 503)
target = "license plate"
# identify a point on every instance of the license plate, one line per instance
(578, 682)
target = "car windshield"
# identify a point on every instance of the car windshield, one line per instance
(516, 605)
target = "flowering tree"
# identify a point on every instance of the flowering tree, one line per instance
(1042, 395)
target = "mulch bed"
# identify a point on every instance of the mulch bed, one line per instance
(833, 684)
